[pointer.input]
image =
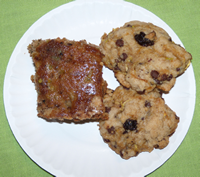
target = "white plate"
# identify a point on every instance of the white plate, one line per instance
(77, 150)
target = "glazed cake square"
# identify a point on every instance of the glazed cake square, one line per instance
(68, 79)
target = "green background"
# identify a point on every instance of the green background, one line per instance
(16, 16)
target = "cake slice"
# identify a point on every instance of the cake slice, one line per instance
(68, 79)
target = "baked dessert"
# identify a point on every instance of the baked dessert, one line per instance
(68, 79)
(143, 56)
(137, 122)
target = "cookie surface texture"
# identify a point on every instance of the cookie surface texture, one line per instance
(143, 56)
(137, 122)
(68, 79)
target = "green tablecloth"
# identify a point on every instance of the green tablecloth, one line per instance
(183, 16)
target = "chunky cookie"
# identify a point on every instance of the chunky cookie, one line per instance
(143, 56)
(68, 79)
(137, 122)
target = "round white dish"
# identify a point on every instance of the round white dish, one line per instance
(77, 150)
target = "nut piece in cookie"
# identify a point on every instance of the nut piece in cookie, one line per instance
(68, 79)
(143, 56)
(137, 122)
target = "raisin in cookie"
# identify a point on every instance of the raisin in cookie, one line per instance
(137, 122)
(143, 56)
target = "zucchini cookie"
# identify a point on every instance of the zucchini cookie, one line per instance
(137, 122)
(68, 79)
(143, 56)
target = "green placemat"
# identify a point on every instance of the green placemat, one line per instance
(183, 16)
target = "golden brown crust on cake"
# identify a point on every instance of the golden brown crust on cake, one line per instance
(68, 79)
